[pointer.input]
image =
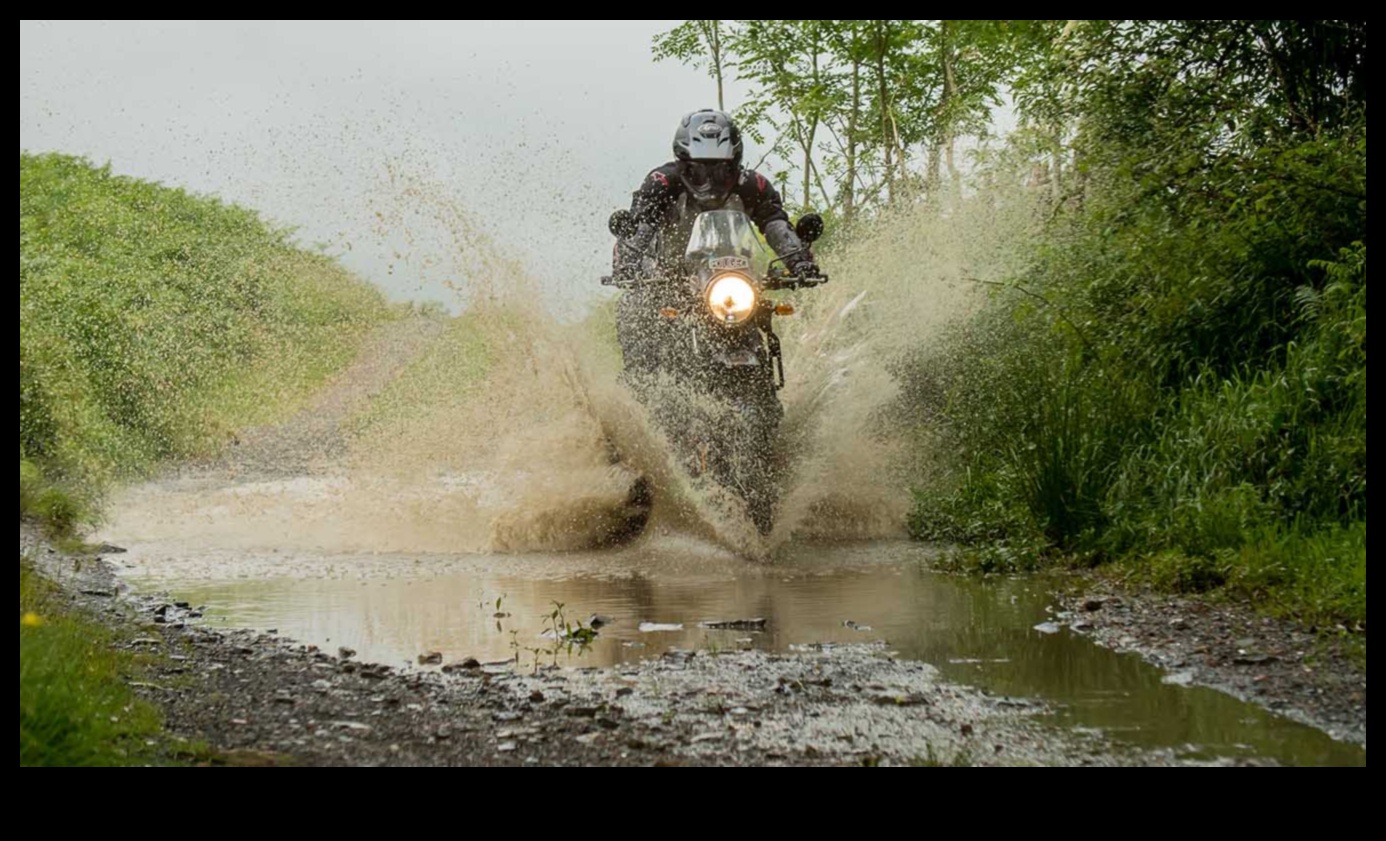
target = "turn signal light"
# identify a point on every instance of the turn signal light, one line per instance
(784, 309)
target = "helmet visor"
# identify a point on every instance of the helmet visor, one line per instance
(707, 176)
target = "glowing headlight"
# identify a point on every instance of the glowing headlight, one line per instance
(731, 298)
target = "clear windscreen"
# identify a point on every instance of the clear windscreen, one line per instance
(727, 239)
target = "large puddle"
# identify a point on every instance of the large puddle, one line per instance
(665, 592)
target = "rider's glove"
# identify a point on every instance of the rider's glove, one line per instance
(805, 268)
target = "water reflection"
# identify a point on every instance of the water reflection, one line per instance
(980, 633)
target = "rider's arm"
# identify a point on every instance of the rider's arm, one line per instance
(762, 202)
(648, 205)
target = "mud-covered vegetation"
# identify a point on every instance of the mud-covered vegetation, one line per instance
(1176, 378)
(153, 324)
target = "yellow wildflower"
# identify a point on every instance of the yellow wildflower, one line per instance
(30, 620)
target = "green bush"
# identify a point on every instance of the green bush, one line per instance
(1179, 375)
(152, 323)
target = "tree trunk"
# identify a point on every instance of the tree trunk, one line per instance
(849, 191)
(1056, 181)
(712, 36)
(716, 45)
(954, 176)
(883, 93)
(812, 134)
(950, 134)
(933, 179)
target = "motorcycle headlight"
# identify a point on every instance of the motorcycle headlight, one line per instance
(732, 298)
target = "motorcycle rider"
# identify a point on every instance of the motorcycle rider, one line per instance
(724, 422)
(706, 174)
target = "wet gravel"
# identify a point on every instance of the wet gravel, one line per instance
(259, 699)
(1310, 677)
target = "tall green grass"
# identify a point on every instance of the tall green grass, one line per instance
(153, 323)
(1181, 388)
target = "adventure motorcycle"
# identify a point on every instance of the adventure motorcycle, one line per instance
(700, 350)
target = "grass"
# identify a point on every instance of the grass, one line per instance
(75, 708)
(154, 324)
(1318, 576)
(1252, 483)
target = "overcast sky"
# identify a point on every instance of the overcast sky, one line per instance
(394, 143)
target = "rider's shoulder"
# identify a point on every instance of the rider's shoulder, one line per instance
(665, 176)
(753, 184)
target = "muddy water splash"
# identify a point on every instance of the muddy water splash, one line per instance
(506, 430)
(854, 457)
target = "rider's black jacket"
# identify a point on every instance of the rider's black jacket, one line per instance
(653, 207)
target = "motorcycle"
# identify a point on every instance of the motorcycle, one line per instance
(700, 349)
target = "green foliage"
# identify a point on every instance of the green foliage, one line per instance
(74, 707)
(1321, 576)
(860, 113)
(59, 509)
(1317, 575)
(153, 323)
(564, 637)
(703, 44)
(1179, 377)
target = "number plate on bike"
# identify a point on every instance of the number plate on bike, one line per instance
(729, 263)
(739, 359)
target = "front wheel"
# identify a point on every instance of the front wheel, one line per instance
(745, 462)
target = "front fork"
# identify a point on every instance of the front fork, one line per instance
(772, 342)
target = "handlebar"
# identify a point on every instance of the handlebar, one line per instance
(784, 280)
(772, 281)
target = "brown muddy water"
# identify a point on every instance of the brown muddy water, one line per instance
(668, 591)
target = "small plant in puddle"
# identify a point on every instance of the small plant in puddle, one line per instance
(496, 607)
(536, 653)
(564, 637)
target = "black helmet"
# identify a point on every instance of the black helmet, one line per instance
(708, 149)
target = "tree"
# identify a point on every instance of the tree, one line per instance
(863, 113)
(848, 41)
(701, 44)
(970, 62)
(796, 90)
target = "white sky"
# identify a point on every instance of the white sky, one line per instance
(537, 129)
